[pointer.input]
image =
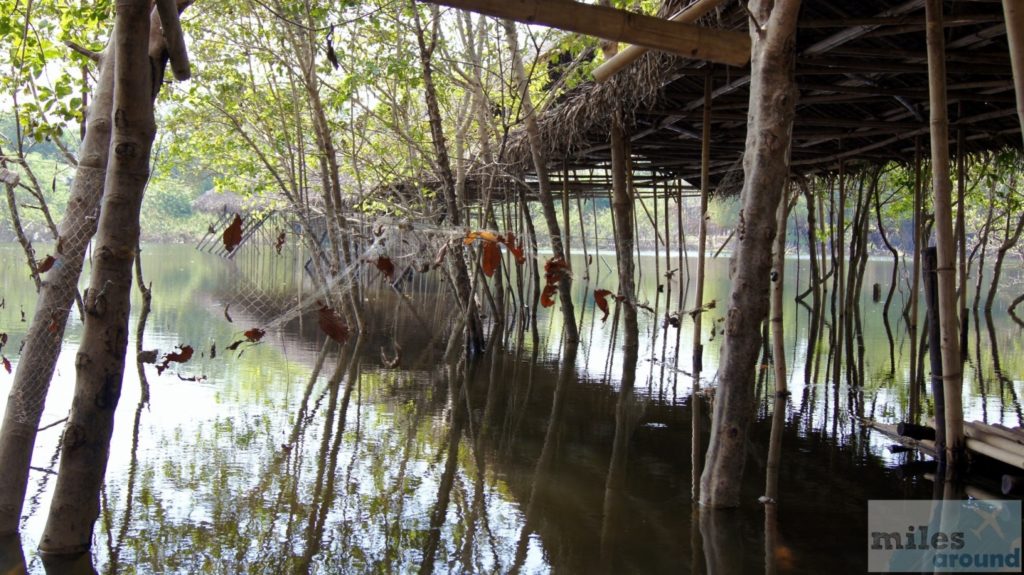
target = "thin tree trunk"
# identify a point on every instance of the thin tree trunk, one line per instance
(986, 230)
(949, 324)
(474, 332)
(893, 279)
(543, 181)
(101, 357)
(997, 270)
(766, 165)
(45, 334)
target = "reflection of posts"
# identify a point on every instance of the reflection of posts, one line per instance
(323, 491)
(625, 423)
(451, 464)
(565, 378)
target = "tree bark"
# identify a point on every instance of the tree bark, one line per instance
(952, 373)
(474, 332)
(43, 340)
(100, 360)
(766, 168)
(543, 181)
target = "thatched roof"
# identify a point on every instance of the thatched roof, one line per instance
(862, 74)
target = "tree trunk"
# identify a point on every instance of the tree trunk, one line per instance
(949, 324)
(997, 270)
(100, 360)
(543, 181)
(43, 340)
(474, 332)
(766, 168)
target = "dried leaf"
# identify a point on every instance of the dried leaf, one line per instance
(492, 258)
(255, 334)
(601, 297)
(332, 324)
(3, 339)
(547, 296)
(385, 265)
(7, 364)
(226, 316)
(213, 350)
(233, 234)
(191, 378)
(235, 345)
(279, 243)
(516, 247)
(179, 356)
(440, 256)
(45, 265)
(482, 235)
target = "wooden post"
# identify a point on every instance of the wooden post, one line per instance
(961, 235)
(721, 46)
(687, 15)
(931, 289)
(1013, 13)
(565, 215)
(949, 323)
(839, 277)
(702, 228)
(915, 283)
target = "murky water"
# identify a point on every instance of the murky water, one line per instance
(507, 466)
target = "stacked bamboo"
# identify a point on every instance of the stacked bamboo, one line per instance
(995, 441)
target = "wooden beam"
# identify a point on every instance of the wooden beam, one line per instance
(720, 46)
(687, 15)
(850, 34)
(1014, 14)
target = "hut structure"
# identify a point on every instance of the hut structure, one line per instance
(828, 86)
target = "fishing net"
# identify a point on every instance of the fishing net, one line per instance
(60, 270)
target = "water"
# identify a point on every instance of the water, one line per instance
(508, 467)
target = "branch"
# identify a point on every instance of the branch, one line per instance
(94, 56)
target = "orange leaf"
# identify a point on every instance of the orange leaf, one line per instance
(547, 296)
(516, 247)
(601, 297)
(483, 235)
(255, 334)
(45, 265)
(233, 234)
(333, 325)
(385, 265)
(7, 364)
(492, 258)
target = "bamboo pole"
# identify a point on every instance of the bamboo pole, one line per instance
(1013, 13)
(630, 54)
(702, 229)
(915, 286)
(949, 324)
(961, 235)
(721, 46)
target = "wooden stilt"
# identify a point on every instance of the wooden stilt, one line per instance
(702, 228)
(915, 286)
(1013, 13)
(949, 323)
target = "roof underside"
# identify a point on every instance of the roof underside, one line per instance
(862, 73)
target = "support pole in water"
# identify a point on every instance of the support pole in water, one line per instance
(929, 260)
